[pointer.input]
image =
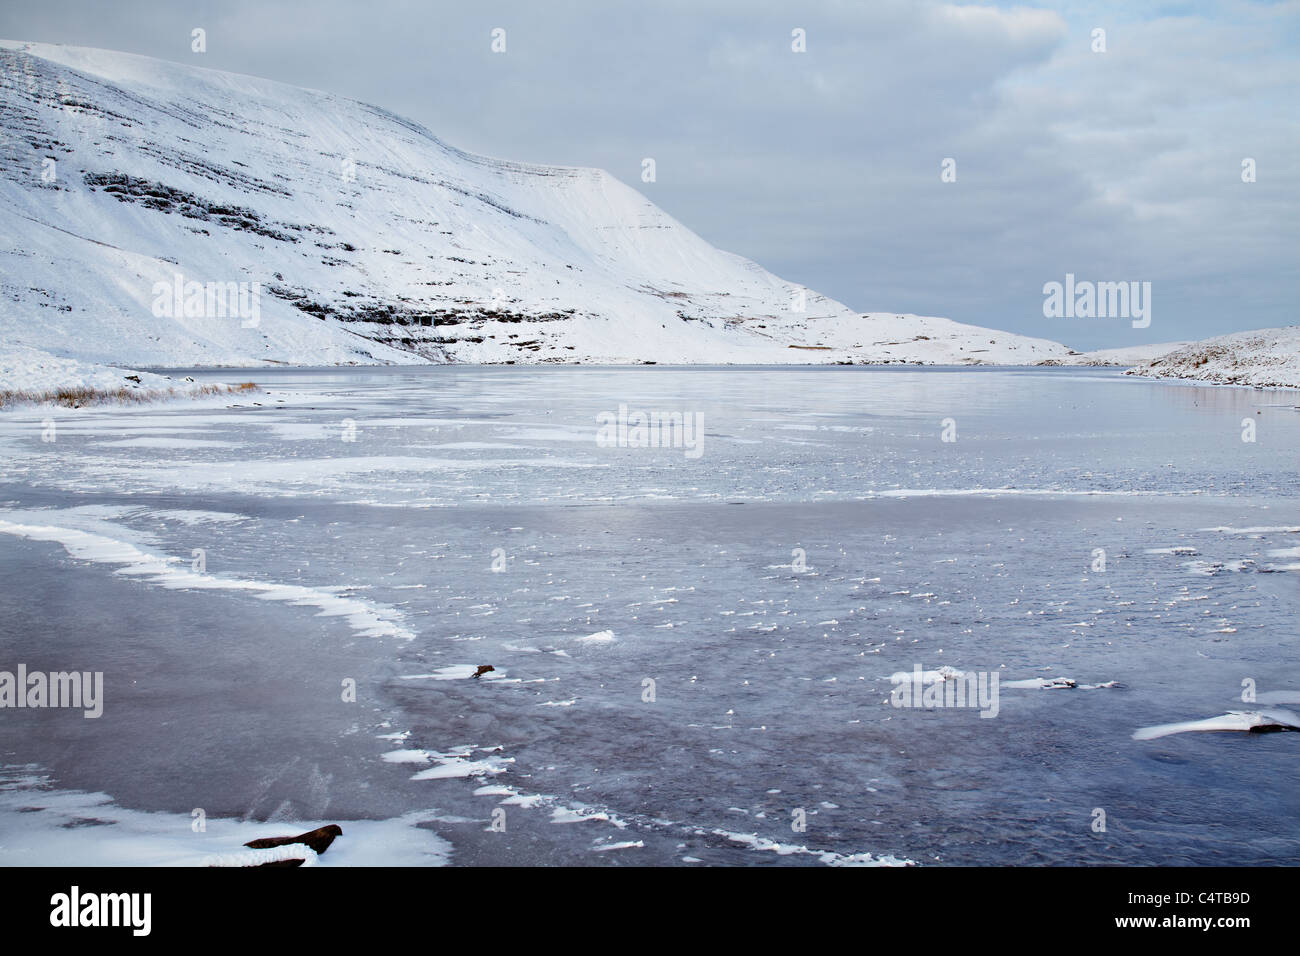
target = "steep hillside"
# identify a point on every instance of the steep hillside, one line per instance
(140, 199)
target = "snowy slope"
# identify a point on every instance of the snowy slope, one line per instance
(33, 377)
(25, 369)
(1126, 356)
(1265, 357)
(369, 240)
(927, 340)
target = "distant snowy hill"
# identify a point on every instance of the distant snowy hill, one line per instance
(1264, 357)
(926, 340)
(354, 235)
(1127, 355)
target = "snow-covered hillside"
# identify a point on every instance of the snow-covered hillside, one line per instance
(1264, 357)
(354, 235)
(1127, 355)
(927, 340)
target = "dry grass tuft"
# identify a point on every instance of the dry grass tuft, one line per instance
(81, 396)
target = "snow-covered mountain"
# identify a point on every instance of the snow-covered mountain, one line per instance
(140, 199)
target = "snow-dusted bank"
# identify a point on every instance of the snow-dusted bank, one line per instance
(1125, 357)
(1263, 358)
(31, 376)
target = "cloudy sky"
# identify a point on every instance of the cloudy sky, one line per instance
(825, 166)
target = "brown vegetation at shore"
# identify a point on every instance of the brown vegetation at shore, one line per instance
(80, 396)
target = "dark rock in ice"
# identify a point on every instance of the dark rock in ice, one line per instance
(319, 840)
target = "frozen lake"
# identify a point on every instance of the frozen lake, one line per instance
(230, 565)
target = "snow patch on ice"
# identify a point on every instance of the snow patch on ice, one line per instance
(365, 617)
(1242, 720)
(74, 828)
(756, 842)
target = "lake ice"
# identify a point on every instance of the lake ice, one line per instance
(692, 654)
